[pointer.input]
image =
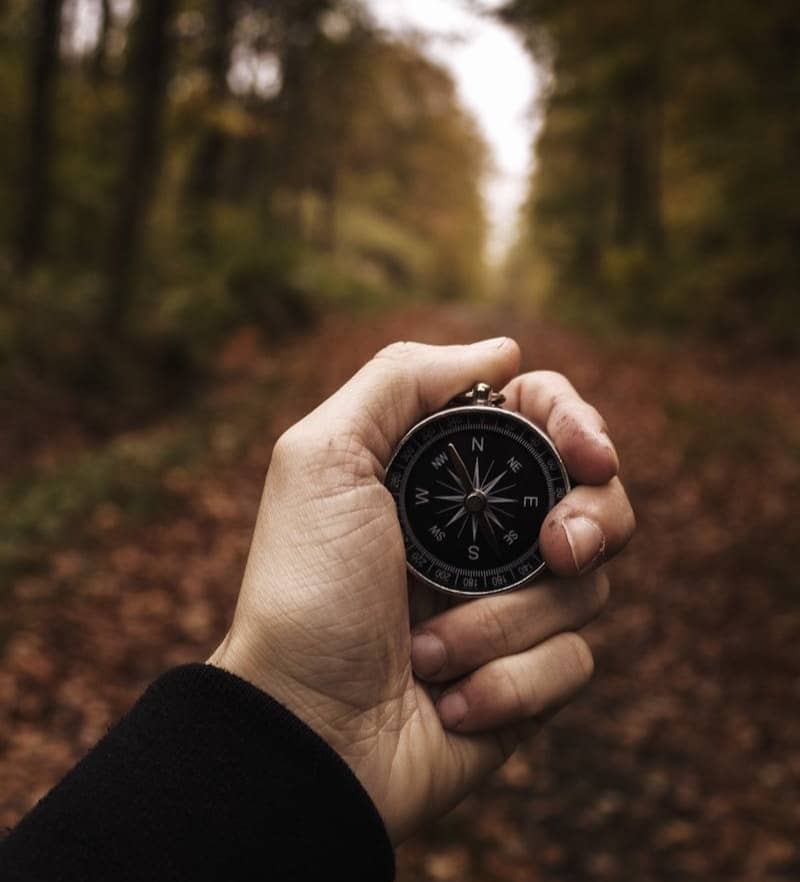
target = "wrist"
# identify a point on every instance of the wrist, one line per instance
(354, 737)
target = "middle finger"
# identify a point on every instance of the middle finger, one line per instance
(471, 634)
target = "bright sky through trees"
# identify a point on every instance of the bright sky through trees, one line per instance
(496, 80)
(495, 77)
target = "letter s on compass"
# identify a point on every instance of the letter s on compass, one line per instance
(473, 484)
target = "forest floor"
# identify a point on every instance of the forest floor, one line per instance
(682, 759)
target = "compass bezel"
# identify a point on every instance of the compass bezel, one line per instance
(469, 410)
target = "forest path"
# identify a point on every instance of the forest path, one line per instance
(681, 761)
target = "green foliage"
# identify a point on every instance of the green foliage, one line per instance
(41, 507)
(666, 193)
(353, 181)
(133, 477)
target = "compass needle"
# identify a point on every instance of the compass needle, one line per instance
(494, 482)
(459, 514)
(491, 516)
(488, 533)
(504, 489)
(458, 464)
(464, 542)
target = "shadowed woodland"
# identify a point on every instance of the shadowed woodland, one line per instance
(211, 213)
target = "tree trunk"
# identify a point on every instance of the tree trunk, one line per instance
(203, 177)
(147, 73)
(100, 55)
(47, 21)
(639, 196)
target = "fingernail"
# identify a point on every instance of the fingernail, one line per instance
(452, 708)
(586, 541)
(494, 343)
(428, 654)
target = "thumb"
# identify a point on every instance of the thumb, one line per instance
(406, 381)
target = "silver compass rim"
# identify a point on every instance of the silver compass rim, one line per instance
(472, 408)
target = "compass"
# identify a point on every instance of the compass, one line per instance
(473, 484)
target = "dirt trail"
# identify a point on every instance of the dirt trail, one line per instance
(681, 761)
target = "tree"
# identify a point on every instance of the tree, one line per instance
(46, 24)
(665, 189)
(147, 76)
(204, 173)
(99, 59)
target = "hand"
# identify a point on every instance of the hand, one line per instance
(322, 621)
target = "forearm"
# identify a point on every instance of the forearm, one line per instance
(205, 778)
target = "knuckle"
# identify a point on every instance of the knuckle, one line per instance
(594, 416)
(578, 658)
(520, 703)
(398, 351)
(496, 633)
(560, 402)
(285, 448)
(333, 452)
(553, 378)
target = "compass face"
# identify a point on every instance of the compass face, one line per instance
(473, 486)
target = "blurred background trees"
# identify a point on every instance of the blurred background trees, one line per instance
(184, 183)
(666, 192)
(175, 168)
(172, 170)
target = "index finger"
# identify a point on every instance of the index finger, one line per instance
(577, 429)
(407, 381)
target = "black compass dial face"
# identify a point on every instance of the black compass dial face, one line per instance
(473, 486)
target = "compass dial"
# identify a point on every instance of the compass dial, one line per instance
(473, 486)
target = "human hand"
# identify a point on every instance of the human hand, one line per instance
(322, 622)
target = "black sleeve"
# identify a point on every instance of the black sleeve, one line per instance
(206, 778)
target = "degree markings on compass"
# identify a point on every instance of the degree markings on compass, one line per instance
(451, 494)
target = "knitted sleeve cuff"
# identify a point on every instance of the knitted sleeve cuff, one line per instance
(205, 778)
